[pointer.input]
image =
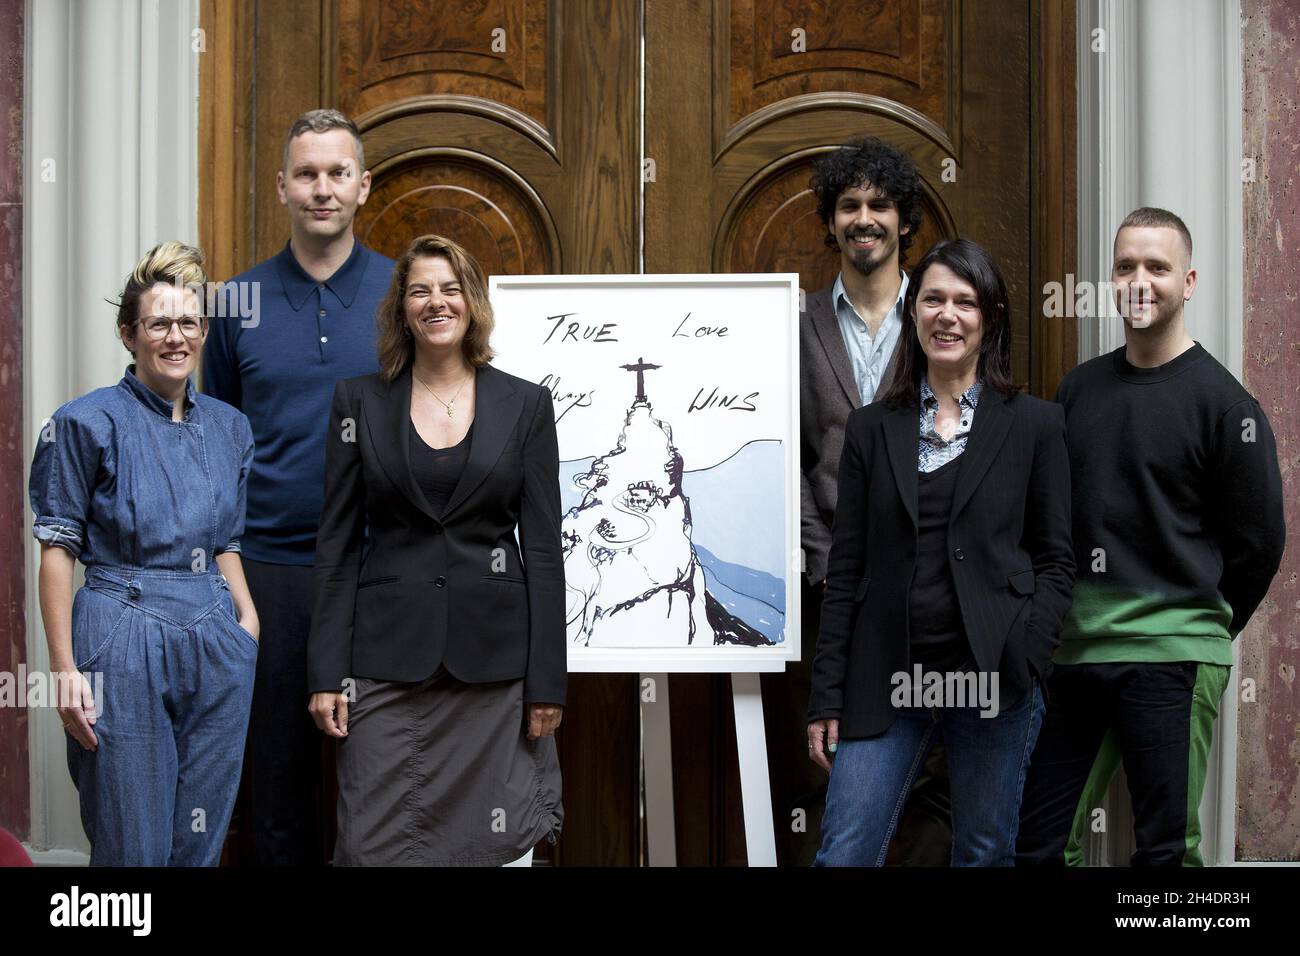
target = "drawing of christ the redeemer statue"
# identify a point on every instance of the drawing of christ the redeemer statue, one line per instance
(641, 367)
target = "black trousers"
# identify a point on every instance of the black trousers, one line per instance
(924, 834)
(284, 745)
(1159, 719)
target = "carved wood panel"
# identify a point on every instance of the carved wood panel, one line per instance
(467, 197)
(772, 51)
(390, 50)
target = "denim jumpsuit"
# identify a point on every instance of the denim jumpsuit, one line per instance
(146, 504)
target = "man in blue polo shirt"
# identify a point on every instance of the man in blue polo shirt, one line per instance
(315, 324)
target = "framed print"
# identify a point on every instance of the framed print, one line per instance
(676, 405)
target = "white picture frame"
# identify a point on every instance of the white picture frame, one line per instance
(718, 359)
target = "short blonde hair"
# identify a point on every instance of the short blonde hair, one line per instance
(395, 346)
(171, 262)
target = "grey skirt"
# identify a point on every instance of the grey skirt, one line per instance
(442, 773)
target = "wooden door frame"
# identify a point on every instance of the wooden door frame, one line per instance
(226, 73)
(1054, 184)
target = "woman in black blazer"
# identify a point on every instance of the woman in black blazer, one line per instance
(950, 573)
(437, 651)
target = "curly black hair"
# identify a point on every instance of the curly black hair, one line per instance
(869, 160)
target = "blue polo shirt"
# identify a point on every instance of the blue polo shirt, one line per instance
(279, 368)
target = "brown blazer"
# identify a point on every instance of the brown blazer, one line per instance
(827, 394)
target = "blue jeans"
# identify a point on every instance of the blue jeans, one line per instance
(987, 761)
(177, 683)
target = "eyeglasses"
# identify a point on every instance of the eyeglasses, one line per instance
(158, 327)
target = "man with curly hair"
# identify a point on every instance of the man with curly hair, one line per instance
(869, 196)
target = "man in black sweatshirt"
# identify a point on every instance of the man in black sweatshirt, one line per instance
(1178, 530)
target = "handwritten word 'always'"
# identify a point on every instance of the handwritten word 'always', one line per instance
(565, 400)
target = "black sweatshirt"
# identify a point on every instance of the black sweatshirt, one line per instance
(1177, 509)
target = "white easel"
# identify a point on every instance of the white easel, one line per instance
(751, 748)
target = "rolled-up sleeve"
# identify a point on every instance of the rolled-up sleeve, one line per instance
(62, 482)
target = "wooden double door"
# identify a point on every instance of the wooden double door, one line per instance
(547, 137)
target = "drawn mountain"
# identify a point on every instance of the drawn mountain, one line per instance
(631, 567)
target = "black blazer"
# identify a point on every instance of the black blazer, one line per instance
(1009, 550)
(451, 589)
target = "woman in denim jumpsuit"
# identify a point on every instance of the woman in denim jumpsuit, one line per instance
(144, 481)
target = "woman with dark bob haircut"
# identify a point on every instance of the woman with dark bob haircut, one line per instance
(950, 572)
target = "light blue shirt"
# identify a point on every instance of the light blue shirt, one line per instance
(868, 356)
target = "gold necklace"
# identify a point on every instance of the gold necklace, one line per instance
(450, 406)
